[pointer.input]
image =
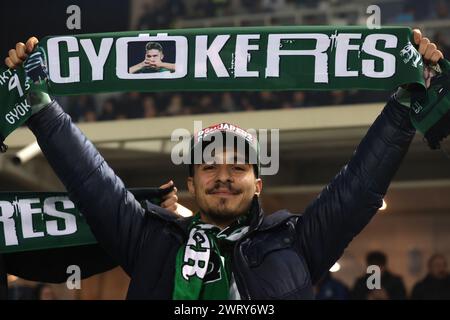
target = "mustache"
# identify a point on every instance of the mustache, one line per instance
(223, 185)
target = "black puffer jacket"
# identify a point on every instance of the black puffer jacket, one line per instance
(283, 254)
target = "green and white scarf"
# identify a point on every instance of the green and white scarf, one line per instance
(32, 221)
(203, 270)
(220, 59)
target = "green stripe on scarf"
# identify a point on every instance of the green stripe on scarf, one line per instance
(254, 58)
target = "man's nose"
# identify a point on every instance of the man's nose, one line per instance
(224, 173)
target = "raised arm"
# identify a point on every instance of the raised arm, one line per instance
(167, 65)
(137, 67)
(114, 216)
(355, 194)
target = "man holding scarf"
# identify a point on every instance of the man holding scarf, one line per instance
(230, 249)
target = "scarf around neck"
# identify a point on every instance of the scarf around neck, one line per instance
(203, 267)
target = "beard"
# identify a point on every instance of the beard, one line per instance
(225, 209)
(223, 213)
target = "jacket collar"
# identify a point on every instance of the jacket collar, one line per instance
(261, 222)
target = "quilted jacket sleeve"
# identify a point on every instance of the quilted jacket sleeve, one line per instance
(352, 198)
(116, 219)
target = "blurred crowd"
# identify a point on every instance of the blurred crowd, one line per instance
(134, 105)
(434, 286)
(164, 13)
(40, 291)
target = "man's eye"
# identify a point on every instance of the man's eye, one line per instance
(239, 168)
(208, 167)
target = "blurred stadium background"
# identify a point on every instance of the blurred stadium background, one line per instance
(319, 131)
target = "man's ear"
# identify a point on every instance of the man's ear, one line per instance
(258, 186)
(190, 185)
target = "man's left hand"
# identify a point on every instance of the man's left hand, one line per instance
(430, 54)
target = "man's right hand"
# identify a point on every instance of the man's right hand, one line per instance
(18, 55)
(170, 201)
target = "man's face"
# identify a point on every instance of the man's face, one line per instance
(153, 57)
(438, 268)
(224, 188)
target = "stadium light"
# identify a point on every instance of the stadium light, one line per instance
(384, 206)
(336, 267)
